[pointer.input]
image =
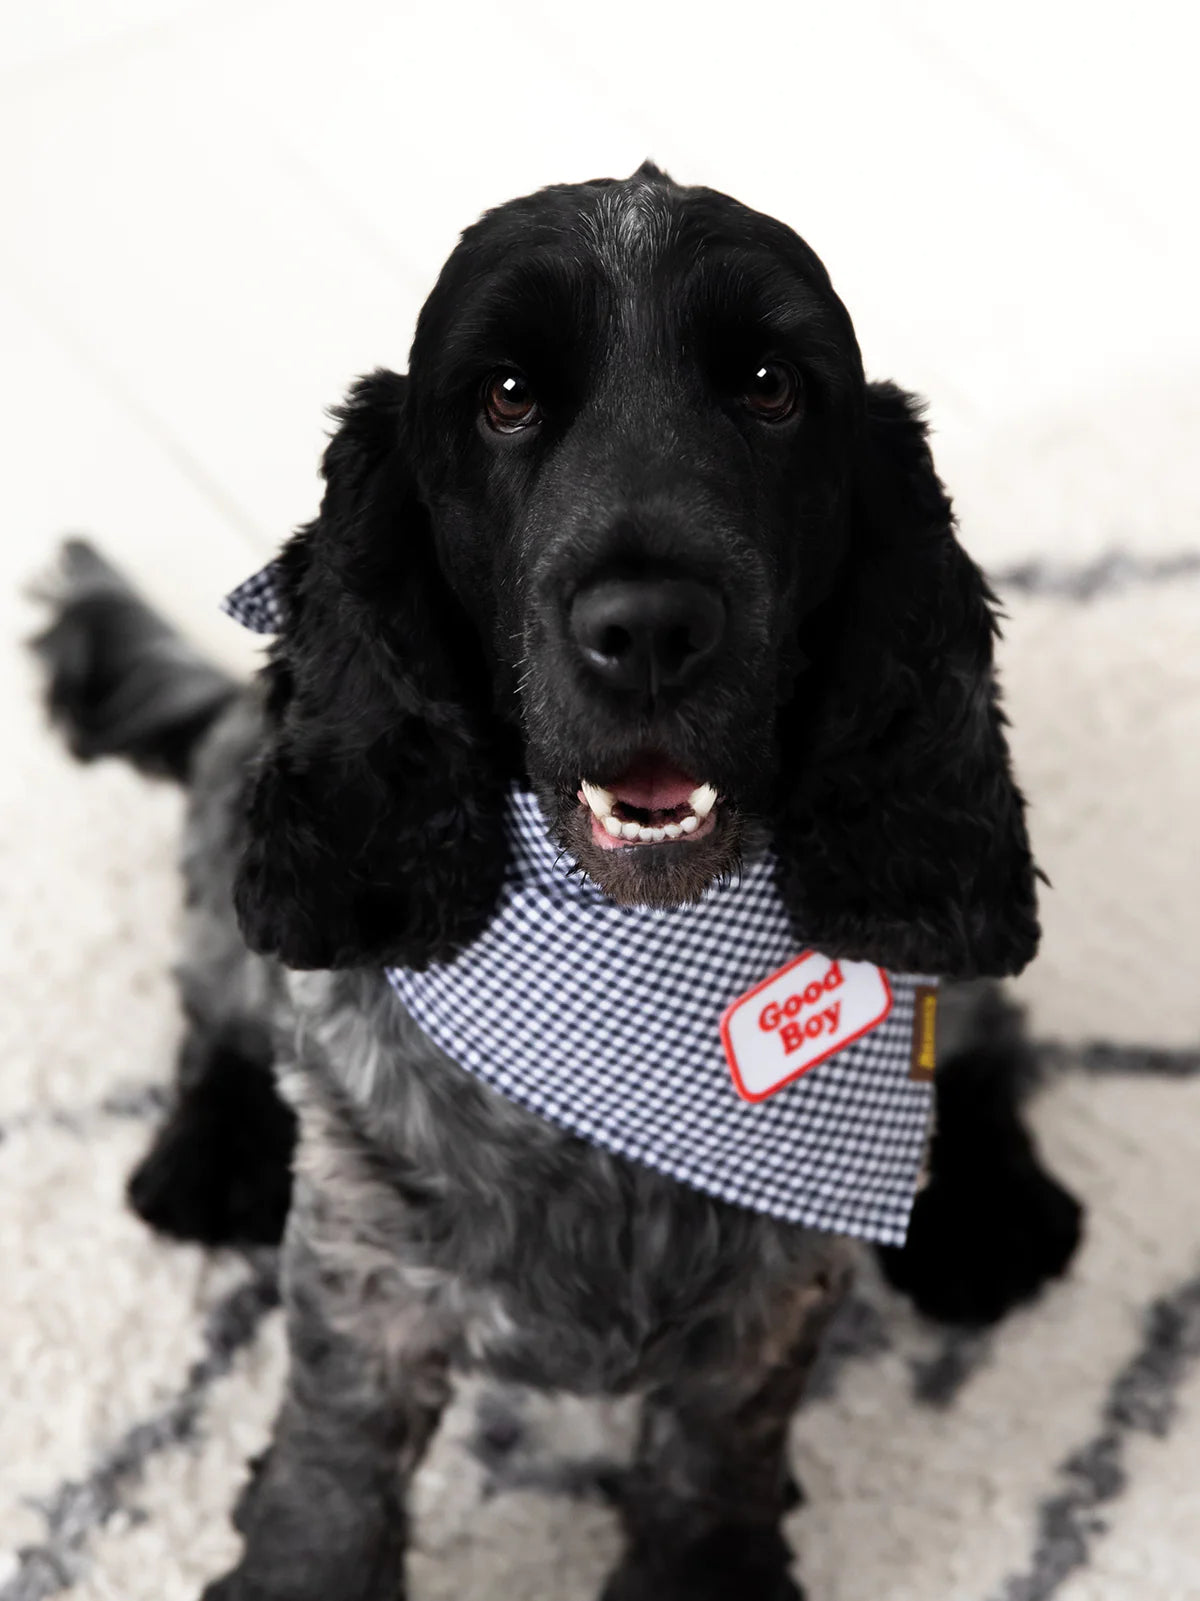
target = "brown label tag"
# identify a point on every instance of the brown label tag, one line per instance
(924, 1041)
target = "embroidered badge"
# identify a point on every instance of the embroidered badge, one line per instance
(798, 1017)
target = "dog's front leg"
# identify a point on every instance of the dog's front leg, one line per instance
(703, 1504)
(324, 1518)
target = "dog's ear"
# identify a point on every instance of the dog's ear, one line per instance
(902, 834)
(375, 815)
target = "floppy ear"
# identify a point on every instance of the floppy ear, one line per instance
(374, 817)
(902, 836)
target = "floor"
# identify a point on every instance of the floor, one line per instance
(212, 215)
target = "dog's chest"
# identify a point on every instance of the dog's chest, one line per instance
(622, 1025)
(556, 1262)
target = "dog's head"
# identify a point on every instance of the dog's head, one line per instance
(635, 528)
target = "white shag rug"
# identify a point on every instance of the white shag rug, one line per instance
(1058, 1456)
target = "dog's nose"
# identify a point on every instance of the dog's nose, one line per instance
(647, 633)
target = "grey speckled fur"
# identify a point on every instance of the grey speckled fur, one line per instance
(437, 1224)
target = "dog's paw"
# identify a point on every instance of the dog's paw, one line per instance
(983, 1240)
(292, 1586)
(243, 1507)
(753, 1566)
(639, 1584)
(230, 1588)
(192, 1186)
(236, 1586)
(219, 1169)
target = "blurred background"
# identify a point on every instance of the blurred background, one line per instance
(212, 216)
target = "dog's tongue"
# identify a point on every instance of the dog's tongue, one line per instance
(653, 784)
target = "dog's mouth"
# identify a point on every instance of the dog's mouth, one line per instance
(652, 803)
(652, 835)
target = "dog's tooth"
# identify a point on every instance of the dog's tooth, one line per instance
(630, 830)
(646, 835)
(612, 826)
(689, 825)
(702, 800)
(657, 834)
(673, 831)
(600, 801)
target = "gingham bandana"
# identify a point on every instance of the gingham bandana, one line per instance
(606, 1021)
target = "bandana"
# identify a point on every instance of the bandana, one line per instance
(702, 1041)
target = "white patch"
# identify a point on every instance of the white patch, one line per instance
(636, 216)
(629, 226)
(799, 1016)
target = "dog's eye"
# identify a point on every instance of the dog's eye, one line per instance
(509, 402)
(773, 391)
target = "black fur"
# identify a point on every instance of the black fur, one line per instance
(219, 1171)
(902, 834)
(374, 812)
(120, 681)
(992, 1226)
(426, 660)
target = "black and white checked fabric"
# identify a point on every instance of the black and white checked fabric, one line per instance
(605, 1020)
(255, 602)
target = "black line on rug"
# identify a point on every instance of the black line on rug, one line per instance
(1114, 571)
(139, 1102)
(1142, 1399)
(859, 1331)
(1100, 1057)
(79, 1507)
(961, 1353)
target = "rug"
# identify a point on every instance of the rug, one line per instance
(1057, 1456)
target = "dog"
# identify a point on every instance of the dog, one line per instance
(636, 536)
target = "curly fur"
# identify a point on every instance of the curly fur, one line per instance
(350, 804)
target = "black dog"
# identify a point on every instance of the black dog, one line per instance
(634, 531)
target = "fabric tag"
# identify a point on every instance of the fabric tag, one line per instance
(802, 1014)
(924, 1041)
